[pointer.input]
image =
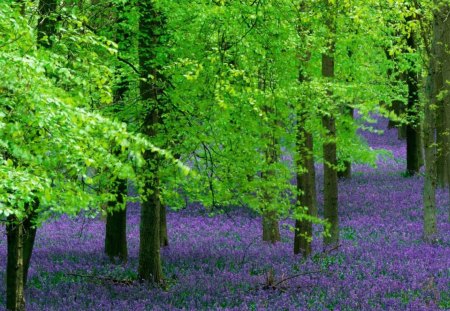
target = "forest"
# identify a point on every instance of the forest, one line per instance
(224, 155)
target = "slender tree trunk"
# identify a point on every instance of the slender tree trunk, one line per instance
(164, 237)
(429, 192)
(270, 224)
(29, 236)
(150, 268)
(412, 128)
(330, 182)
(151, 91)
(15, 299)
(306, 194)
(271, 227)
(438, 75)
(306, 179)
(329, 147)
(116, 219)
(116, 225)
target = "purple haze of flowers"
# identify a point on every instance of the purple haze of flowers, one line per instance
(220, 263)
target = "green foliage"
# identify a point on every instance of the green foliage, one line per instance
(232, 92)
(53, 147)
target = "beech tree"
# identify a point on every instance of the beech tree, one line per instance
(438, 95)
(151, 29)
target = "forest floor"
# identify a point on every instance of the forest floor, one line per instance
(220, 262)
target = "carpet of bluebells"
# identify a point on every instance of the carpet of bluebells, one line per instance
(220, 262)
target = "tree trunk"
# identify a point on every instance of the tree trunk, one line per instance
(116, 225)
(164, 237)
(438, 75)
(116, 219)
(15, 299)
(412, 128)
(270, 224)
(271, 227)
(329, 147)
(306, 179)
(150, 268)
(151, 91)
(429, 191)
(306, 191)
(29, 236)
(330, 182)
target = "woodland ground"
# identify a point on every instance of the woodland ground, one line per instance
(220, 262)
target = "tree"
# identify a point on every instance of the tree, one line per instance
(438, 95)
(329, 146)
(116, 214)
(151, 25)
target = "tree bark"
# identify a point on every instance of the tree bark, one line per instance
(15, 299)
(150, 268)
(29, 236)
(429, 192)
(28, 244)
(116, 220)
(271, 227)
(306, 175)
(270, 224)
(306, 191)
(116, 225)
(439, 63)
(151, 91)
(329, 146)
(330, 182)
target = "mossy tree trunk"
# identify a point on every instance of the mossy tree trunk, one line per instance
(151, 26)
(306, 190)
(438, 75)
(116, 218)
(329, 146)
(306, 177)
